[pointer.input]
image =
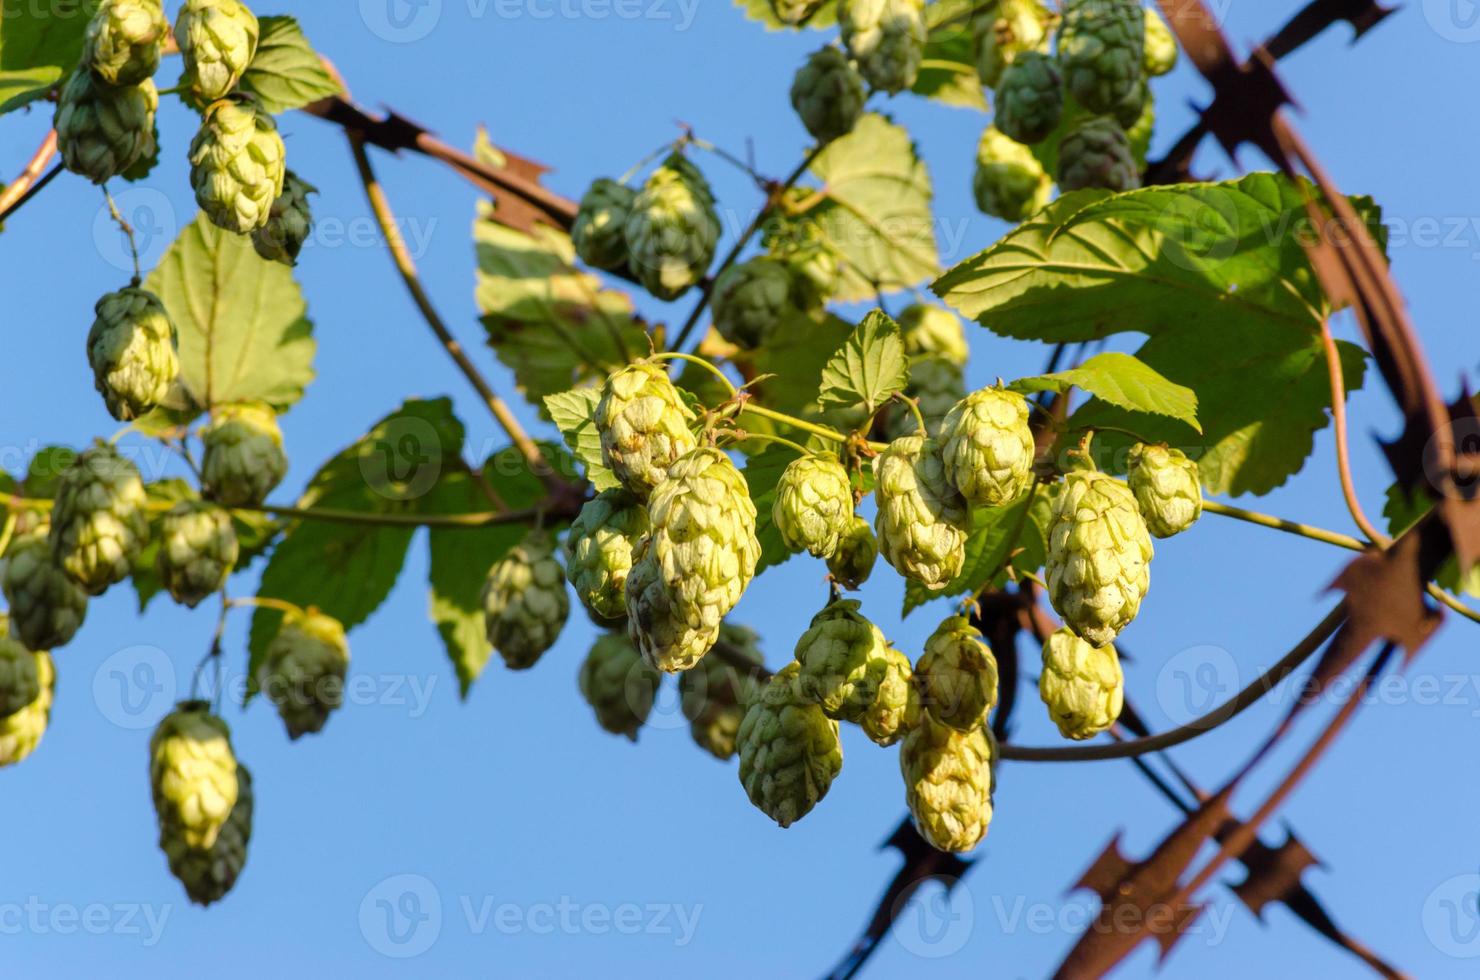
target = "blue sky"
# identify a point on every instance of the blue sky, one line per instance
(529, 843)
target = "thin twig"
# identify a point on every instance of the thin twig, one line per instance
(1343, 450)
(14, 193)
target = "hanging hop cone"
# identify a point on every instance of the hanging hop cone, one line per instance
(1005, 30)
(802, 244)
(598, 552)
(988, 448)
(750, 299)
(789, 750)
(124, 40)
(193, 776)
(714, 694)
(795, 13)
(208, 873)
(853, 561)
(930, 329)
(672, 230)
(22, 730)
(304, 669)
(197, 551)
(886, 38)
(102, 130)
(289, 222)
(852, 672)
(1101, 50)
(1160, 44)
(243, 455)
(20, 674)
(957, 676)
(644, 426)
(618, 685)
(922, 521)
(1167, 488)
(46, 606)
(131, 348)
(1029, 98)
(98, 522)
(1081, 684)
(1099, 556)
(218, 39)
(237, 165)
(524, 602)
(948, 780)
(828, 95)
(600, 229)
(1097, 153)
(666, 635)
(1009, 182)
(814, 505)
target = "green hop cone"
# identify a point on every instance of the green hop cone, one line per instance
(886, 38)
(672, 230)
(618, 685)
(243, 455)
(644, 426)
(988, 448)
(20, 673)
(1005, 30)
(1097, 153)
(1099, 556)
(46, 606)
(1128, 111)
(1009, 182)
(524, 602)
(795, 13)
(922, 520)
(789, 750)
(896, 706)
(289, 222)
(804, 246)
(124, 40)
(750, 299)
(713, 695)
(193, 776)
(598, 552)
(667, 636)
(1029, 98)
(948, 780)
(957, 676)
(828, 95)
(1101, 50)
(1167, 488)
(1081, 684)
(131, 348)
(99, 522)
(102, 130)
(853, 561)
(21, 731)
(1160, 45)
(852, 672)
(600, 229)
(218, 39)
(197, 551)
(304, 669)
(930, 329)
(237, 165)
(814, 505)
(209, 873)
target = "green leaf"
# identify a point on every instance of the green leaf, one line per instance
(573, 413)
(795, 357)
(992, 535)
(1123, 381)
(869, 369)
(1403, 508)
(761, 10)
(286, 73)
(948, 69)
(762, 473)
(45, 468)
(243, 329)
(40, 44)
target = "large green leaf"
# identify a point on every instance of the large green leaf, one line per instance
(948, 69)
(869, 369)
(1123, 381)
(573, 413)
(286, 73)
(40, 43)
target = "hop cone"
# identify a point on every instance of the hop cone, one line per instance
(1101, 49)
(217, 39)
(750, 299)
(21, 731)
(957, 675)
(243, 458)
(1030, 98)
(814, 505)
(928, 329)
(1099, 556)
(600, 230)
(922, 521)
(672, 230)
(20, 672)
(897, 705)
(598, 552)
(948, 780)
(303, 671)
(714, 694)
(237, 165)
(1081, 684)
(1009, 182)
(804, 247)
(988, 448)
(1160, 44)
(828, 94)
(197, 551)
(795, 13)
(663, 633)
(1005, 30)
(850, 670)
(289, 222)
(102, 129)
(1096, 153)
(789, 750)
(618, 685)
(1167, 489)
(46, 607)
(131, 348)
(524, 601)
(193, 775)
(886, 38)
(853, 561)
(98, 521)
(208, 873)
(644, 426)
(123, 41)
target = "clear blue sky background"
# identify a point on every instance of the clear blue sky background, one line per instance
(516, 798)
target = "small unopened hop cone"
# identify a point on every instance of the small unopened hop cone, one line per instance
(524, 602)
(243, 459)
(853, 673)
(192, 773)
(46, 606)
(789, 750)
(21, 729)
(618, 685)
(304, 669)
(957, 676)
(599, 553)
(1167, 488)
(1081, 684)
(197, 551)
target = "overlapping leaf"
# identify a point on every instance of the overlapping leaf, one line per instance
(948, 69)
(286, 72)
(39, 44)
(869, 369)
(1123, 381)
(573, 413)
